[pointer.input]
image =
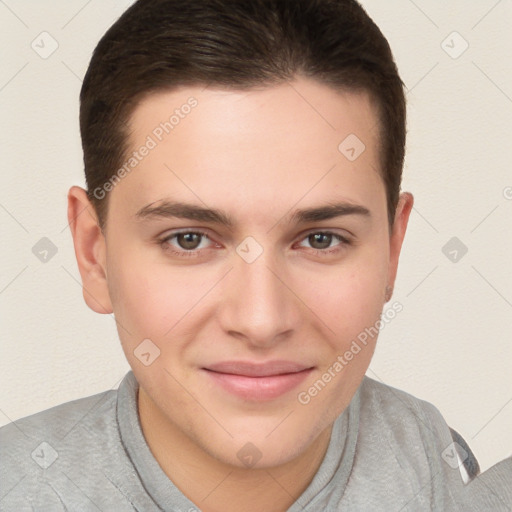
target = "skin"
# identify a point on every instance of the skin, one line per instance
(258, 155)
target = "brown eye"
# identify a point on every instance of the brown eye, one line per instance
(188, 241)
(324, 243)
(320, 240)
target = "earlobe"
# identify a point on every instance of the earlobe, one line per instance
(90, 250)
(403, 211)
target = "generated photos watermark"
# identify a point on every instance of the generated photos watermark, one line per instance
(305, 397)
(156, 136)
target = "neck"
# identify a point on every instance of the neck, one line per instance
(215, 486)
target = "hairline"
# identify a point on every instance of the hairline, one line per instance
(128, 111)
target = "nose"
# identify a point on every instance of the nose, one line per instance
(258, 305)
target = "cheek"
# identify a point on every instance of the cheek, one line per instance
(347, 297)
(150, 298)
(351, 309)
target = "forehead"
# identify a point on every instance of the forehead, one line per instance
(253, 149)
(305, 103)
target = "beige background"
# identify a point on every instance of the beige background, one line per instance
(452, 343)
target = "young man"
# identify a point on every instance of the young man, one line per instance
(243, 221)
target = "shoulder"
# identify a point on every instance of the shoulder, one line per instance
(40, 453)
(491, 490)
(57, 422)
(395, 406)
(72, 457)
(405, 445)
(406, 418)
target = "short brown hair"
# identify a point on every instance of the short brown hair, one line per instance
(236, 44)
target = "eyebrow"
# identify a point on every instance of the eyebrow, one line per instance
(181, 210)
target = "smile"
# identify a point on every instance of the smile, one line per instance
(258, 382)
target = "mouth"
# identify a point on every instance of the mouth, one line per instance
(257, 381)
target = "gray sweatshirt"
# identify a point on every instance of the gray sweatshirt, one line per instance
(388, 451)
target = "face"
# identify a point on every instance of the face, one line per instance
(250, 244)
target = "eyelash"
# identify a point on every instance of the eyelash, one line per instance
(164, 243)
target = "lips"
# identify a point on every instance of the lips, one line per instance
(258, 381)
(257, 369)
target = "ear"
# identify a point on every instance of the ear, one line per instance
(402, 212)
(90, 250)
